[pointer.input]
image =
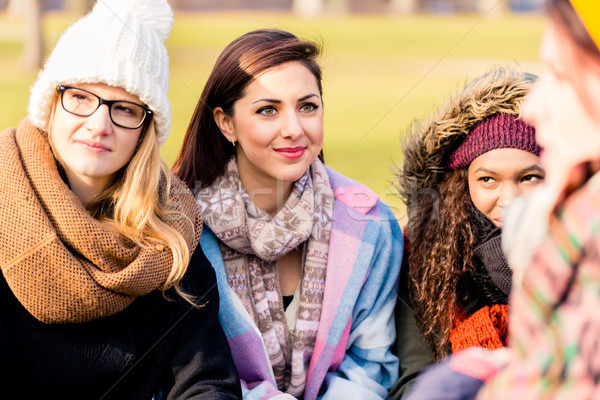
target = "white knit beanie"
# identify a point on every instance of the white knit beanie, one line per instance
(120, 43)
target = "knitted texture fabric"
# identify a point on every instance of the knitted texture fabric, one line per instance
(63, 265)
(121, 44)
(487, 327)
(499, 131)
(489, 253)
(252, 242)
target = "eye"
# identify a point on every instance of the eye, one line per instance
(308, 107)
(532, 178)
(80, 97)
(123, 109)
(267, 110)
(486, 179)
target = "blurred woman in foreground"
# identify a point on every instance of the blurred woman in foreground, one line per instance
(555, 326)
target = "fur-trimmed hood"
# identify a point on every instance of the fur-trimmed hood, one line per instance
(429, 142)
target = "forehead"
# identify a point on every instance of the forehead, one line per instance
(504, 161)
(108, 92)
(287, 78)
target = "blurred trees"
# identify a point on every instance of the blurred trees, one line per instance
(33, 52)
(308, 8)
(403, 6)
(317, 7)
(492, 7)
(79, 7)
(31, 11)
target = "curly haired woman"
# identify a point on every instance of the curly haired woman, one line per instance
(462, 168)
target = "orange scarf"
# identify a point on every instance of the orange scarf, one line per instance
(487, 327)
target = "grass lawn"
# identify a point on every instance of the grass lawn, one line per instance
(380, 72)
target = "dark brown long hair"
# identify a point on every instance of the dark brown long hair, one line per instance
(437, 267)
(205, 151)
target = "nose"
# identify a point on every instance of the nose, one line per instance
(291, 126)
(508, 192)
(99, 123)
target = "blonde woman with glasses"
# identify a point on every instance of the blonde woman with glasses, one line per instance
(104, 292)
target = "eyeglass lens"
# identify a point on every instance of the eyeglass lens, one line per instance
(84, 104)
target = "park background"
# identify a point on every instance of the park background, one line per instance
(385, 62)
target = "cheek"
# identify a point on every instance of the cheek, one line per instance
(129, 144)
(314, 129)
(256, 135)
(484, 200)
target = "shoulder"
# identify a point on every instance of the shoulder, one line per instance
(351, 193)
(7, 133)
(210, 245)
(199, 279)
(356, 202)
(8, 136)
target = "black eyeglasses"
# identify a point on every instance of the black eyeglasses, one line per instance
(82, 103)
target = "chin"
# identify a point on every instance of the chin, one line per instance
(293, 175)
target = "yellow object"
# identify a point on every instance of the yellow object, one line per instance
(589, 12)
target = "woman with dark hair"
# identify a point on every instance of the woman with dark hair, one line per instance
(307, 260)
(462, 167)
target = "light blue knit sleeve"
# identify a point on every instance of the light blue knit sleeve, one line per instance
(369, 368)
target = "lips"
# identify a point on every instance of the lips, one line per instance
(94, 147)
(291, 152)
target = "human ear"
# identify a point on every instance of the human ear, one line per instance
(224, 123)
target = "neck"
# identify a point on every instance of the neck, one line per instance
(85, 188)
(268, 194)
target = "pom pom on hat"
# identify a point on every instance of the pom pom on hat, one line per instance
(152, 13)
(120, 43)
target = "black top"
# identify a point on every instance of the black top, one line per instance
(287, 300)
(153, 345)
(413, 351)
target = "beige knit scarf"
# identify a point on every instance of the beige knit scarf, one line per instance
(252, 242)
(63, 265)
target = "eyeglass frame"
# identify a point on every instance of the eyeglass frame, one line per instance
(148, 112)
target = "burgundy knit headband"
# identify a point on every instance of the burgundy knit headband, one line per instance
(500, 131)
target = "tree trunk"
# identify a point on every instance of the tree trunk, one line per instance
(495, 8)
(403, 6)
(337, 7)
(80, 7)
(308, 8)
(16, 8)
(31, 58)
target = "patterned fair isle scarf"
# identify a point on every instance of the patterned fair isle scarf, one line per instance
(251, 244)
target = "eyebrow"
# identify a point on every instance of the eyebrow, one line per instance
(521, 172)
(532, 168)
(308, 96)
